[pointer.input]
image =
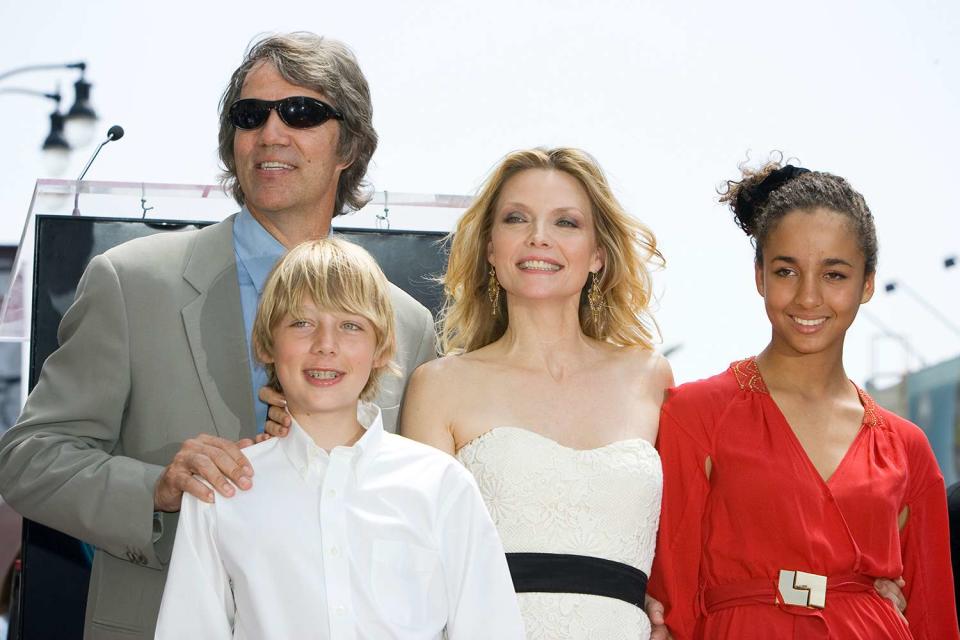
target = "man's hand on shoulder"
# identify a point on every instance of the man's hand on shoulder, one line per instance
(218, 461)
(278, 419)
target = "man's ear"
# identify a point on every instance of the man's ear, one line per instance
(868, 288)
(758, 276)
(344, 163)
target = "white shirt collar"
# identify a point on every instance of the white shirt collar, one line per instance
(303, 452)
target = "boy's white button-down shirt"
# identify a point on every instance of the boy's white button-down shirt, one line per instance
(386, 539)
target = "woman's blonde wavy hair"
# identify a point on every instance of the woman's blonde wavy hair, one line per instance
(466, 322)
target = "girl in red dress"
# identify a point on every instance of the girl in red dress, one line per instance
(787, 490)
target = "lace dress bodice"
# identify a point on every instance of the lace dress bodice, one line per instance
(545, 497)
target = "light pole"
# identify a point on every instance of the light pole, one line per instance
(56, 149)
(75, 128)
(894, 285)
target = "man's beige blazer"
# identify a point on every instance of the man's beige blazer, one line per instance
(152, 352)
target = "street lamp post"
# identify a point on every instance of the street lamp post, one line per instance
(894, 285)
(56, 149)
(75, 128)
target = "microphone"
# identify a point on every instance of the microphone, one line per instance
(113, 133)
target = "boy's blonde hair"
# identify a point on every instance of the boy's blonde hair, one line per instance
(338, 276)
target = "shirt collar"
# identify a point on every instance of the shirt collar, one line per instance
(257, 250)
(369, 416)
(303, 452)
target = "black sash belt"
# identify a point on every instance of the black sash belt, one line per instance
(564, 573)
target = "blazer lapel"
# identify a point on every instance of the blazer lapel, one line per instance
(213, 322)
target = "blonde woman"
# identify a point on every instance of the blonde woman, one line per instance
(549, 390)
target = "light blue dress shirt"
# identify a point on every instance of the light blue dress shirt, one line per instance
(257, 251)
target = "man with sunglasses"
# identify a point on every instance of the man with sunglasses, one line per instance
(153, 384)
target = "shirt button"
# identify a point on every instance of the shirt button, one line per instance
(340, 610)
(332, 493)
(335, 551)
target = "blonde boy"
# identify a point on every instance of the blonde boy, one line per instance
(350, 531)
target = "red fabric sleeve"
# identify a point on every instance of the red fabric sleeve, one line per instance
(925, 547)
(683, 444)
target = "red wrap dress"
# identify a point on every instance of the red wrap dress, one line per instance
(724, 540)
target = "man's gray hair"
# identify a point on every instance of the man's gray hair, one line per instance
(328, 67)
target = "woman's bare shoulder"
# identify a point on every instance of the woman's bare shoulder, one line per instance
(648, 366)
(448, 370)
(642, 358)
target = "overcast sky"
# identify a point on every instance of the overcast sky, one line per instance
(669, 97)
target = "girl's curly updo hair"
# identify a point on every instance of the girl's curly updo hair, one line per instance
(763, 196)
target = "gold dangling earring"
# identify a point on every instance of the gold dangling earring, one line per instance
(595, 298)
(493, 292)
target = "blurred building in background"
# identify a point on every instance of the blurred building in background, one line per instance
(930, 398)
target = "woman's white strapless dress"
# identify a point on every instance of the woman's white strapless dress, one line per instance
(548, 498)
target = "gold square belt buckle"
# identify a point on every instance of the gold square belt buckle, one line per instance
(803, 589)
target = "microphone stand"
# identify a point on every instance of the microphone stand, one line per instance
(115, 133)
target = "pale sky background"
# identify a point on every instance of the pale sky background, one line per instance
(669, 97)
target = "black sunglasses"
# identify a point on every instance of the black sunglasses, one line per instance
(299, 112)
